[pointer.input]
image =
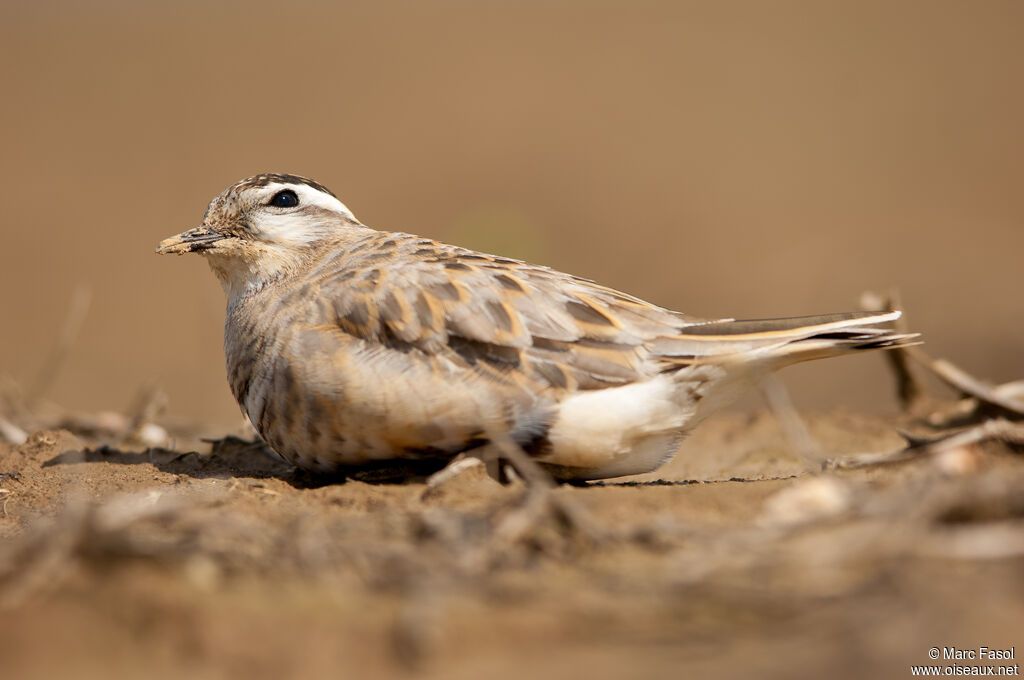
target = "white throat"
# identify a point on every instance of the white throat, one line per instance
(240, 276)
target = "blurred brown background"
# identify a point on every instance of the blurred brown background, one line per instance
(741, 158)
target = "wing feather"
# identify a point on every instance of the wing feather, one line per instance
(501, 317)
(513, 322)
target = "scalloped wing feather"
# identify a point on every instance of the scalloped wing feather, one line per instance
(499, 315)
(533, 326)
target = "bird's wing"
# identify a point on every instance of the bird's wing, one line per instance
(515, 321)
(503, 317)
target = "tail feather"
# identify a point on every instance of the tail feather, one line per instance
(782, 341)
(822, 347)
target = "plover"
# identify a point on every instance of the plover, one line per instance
(347, 346)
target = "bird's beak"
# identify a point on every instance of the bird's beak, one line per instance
(191, 241)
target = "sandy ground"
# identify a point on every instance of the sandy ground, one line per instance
(733, 560)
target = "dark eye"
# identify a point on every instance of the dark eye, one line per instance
(286, 198)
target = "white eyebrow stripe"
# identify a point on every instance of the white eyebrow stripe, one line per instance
(307, 196)
(296, 225)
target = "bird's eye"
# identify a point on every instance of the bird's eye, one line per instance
(286, 198)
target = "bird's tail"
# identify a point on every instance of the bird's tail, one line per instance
(780, 342)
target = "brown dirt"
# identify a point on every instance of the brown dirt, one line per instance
(157, 563)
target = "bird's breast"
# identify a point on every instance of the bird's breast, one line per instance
(323, 398)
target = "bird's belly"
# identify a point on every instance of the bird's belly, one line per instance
(350, 410)
(319, 432)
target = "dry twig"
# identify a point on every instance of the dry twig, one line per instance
(909, 389)
(990, 430)
(540, 498)
(150, 403)
(982, 400)
(11, 433)
(81, 298)
(1003, 399)
(790, 421)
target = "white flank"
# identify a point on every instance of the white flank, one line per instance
(594, 429)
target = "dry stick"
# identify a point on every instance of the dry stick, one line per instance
(45, 557)
(990, 430)
(73, 320)
(999, 430)
(42, 560)
(908, 387)
(11, 433)
(965, 383)
(13, 407)
(81, 299)
(1005, 397)
(150, 401)
(532, 473)
(539, 495)
(792, 424)
(1011, 390)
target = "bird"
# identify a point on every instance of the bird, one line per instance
(348, 346)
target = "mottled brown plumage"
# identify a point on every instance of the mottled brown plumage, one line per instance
(347, 345)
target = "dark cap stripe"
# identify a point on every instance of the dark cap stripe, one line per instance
(274, 178)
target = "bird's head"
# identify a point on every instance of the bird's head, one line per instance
(263, 227)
